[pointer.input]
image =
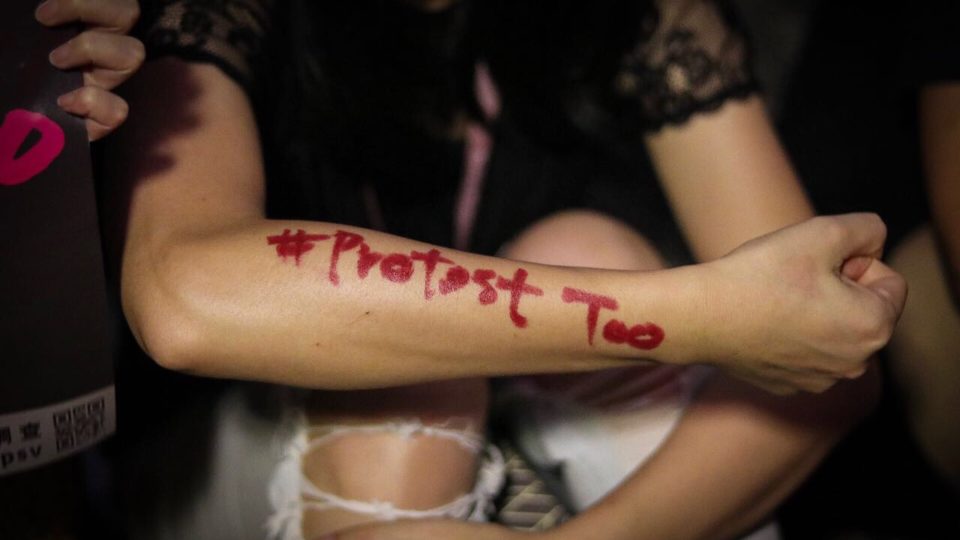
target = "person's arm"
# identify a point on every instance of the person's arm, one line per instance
(737, 453)
(735, 456)
(727, 177)
(104, 52)
(211, 287)
(940, 136)
(728, 180)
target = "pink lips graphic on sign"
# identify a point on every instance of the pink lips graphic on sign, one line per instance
(16, 127)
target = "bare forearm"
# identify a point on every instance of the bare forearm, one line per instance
(324, 305)
(737, 454)
(728, 178)
(205, 289)
(210, 286)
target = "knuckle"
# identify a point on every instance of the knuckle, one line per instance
(875, 220)
(84, 44)
(95, 131)
(118, 15)
(121, 14)
(880, 225)
(877, 330)
(131, 12)
(818, 388)
(857, 372)
(126, 14)
(120, 111)
(138, 52)
(87, 98)
(883, 320)
(872, 223)
(830, 229)
(69, 51)
(884, 332)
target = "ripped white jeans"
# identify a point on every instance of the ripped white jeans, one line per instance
(248, 451)
(291, 492)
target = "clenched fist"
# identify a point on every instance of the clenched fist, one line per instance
(805, 306)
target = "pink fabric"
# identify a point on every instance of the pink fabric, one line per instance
(478, 149)
(479, 146)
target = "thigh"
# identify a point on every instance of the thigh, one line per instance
(925, 353)
(375, 455)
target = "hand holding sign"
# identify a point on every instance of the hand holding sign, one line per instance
(103, 51)
(56, 373)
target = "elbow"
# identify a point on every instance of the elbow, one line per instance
(168, 339)
(152, 296)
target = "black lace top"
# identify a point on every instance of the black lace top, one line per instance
(351, 121)
(228, 33)
(691, 55)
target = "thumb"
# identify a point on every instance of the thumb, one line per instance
(880, 279)
(854, 235)
(893, 289)
(855, 267)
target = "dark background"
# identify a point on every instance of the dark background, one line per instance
(835, 77)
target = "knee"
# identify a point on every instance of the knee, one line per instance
(584, 238)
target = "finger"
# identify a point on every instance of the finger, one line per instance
(818, 384)
(117, 16)
(788, 381)
(857, 373)
(852, 235)
(769, 385)
(811, 378)
(113, 58)
(103, 110)
(854, 267)
(886, 283)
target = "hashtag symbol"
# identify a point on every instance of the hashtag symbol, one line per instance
(294, 245)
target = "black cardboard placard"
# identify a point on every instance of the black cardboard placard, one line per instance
(56, 369)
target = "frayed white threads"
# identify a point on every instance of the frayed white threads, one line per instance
(291, 492)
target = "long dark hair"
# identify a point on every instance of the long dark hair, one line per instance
(375, 82)
(554, 63)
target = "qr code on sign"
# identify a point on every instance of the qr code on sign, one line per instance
(78, 426)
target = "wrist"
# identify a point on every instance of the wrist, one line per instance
(663, 316)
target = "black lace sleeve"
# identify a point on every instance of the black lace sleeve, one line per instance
(692, 56)
(227, 33)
